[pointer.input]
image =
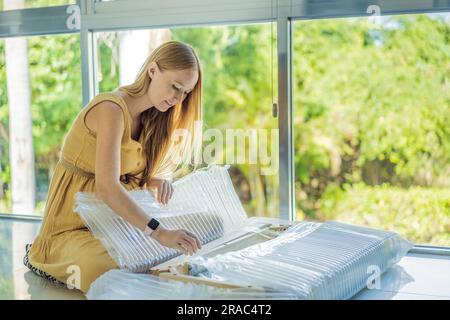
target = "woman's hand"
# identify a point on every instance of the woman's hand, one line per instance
(181, 240)
(163, 190)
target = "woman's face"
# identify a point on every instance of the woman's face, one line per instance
(170, 87)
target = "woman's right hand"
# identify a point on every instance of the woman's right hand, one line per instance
(181, 240)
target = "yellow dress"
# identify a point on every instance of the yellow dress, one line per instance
(63, 240)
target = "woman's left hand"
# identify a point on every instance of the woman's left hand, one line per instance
(163, 188)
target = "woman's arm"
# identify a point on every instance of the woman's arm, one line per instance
(109, 127)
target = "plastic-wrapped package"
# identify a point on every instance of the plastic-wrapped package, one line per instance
(328, 260)
(204, 202)
(120, 284)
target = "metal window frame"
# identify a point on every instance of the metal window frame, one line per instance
(89, 54)
(34, 21)
(20, 217)
(122, 15)
(287, 206)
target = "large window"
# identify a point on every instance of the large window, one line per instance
(40, 85)
(371, 103)
(372, 115)
(238, 87)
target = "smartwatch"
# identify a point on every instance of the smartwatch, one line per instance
(151, 226)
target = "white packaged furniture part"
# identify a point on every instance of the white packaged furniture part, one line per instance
(248, 258)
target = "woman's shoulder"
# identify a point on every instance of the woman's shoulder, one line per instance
(109, 96)
(108, 100)
(106, 106)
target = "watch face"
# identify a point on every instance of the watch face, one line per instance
(153, 224)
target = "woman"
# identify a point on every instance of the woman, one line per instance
(121, 141)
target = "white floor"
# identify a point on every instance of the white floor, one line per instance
(416, 276)
(16, 280)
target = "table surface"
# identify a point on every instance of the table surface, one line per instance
(416, 276)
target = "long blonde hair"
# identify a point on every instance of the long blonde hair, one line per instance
(159, 127)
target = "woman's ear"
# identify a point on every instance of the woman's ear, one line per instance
(151, 72)
(151, 69)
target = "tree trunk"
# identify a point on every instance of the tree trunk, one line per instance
(21, 150)
(21, 138)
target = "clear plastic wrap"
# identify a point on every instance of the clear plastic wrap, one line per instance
(122, 284)
(310, 260)
(204, 202)
(328, 260)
